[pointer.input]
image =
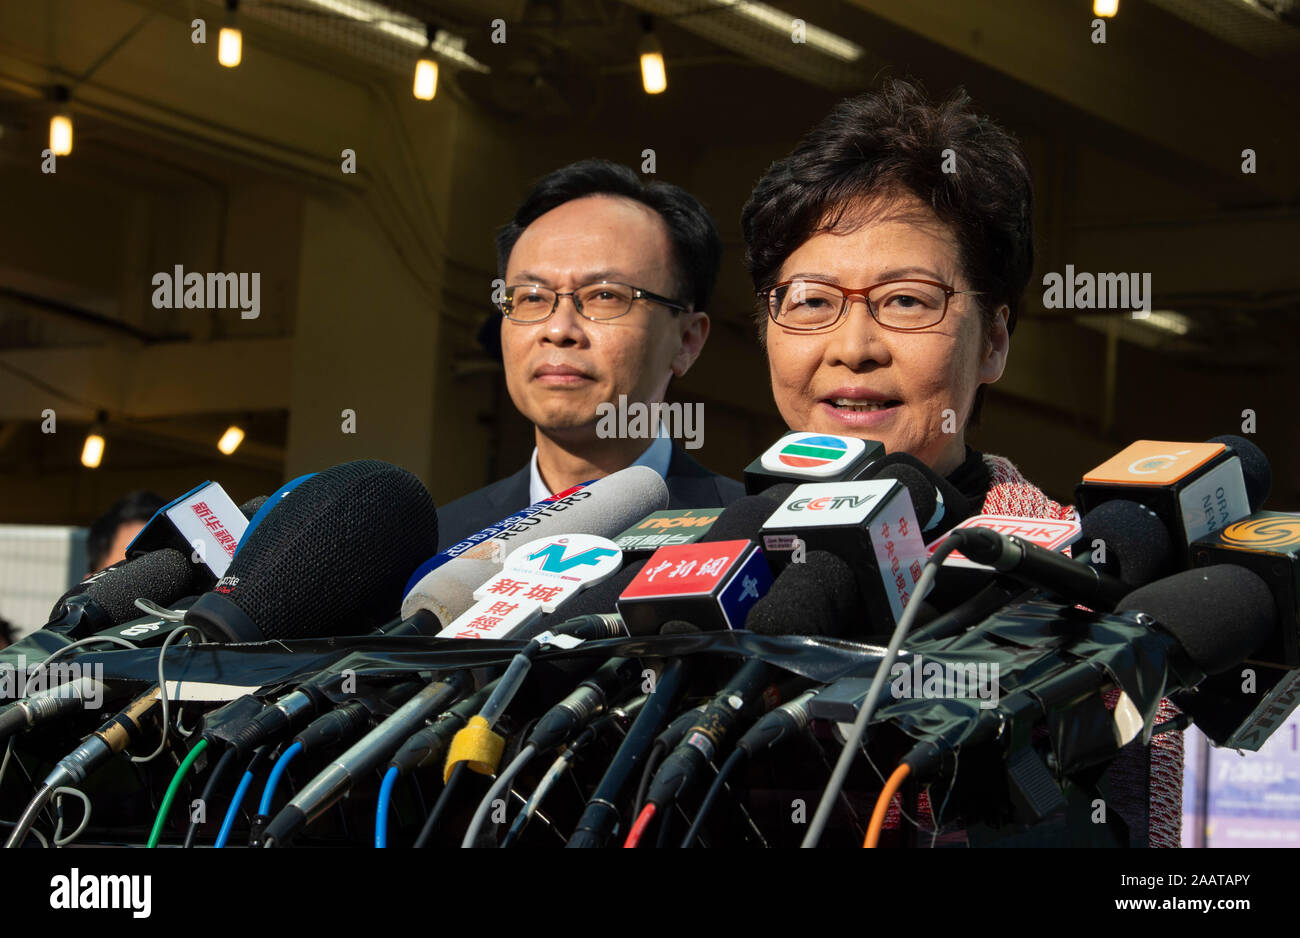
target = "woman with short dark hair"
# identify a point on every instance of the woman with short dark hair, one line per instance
(890, 253)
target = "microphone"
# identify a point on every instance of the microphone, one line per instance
(1128, 542)
(801, 456)
(1037, 566)
(1204, 621)
(102, 602)
(740, 520)
(1268, 544)
(1194, 488)
(713, 585)
(264, 505)
(934, 498)
(817, 597)
(666, 528)
(868, 523)
(1240, 710)
(330, 560)
(203, 522)
(445, 584)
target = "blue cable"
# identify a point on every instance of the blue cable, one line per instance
(273, 779)
(381, 812)
(233, 810)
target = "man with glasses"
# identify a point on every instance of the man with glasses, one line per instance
(606, 283)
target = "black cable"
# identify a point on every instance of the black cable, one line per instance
(715, 789)
(419, 795)
(665, 815)
(651, 763)
(440, 806)
(209, 791)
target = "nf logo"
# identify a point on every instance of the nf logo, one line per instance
(831, 502)
(813, 451)
(554, 561)
(75, 891)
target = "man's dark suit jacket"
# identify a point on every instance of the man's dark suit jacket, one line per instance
(690, 485)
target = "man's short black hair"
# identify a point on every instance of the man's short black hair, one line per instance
(970, 171)
(134, 506)
(691, 229)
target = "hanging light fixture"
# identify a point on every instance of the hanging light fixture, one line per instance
(654, 77)
(1105, 7)
(231, 439)
(61, 123)
(426, 71)
(92, 451)
(230, 41)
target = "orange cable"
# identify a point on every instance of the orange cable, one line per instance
(882, 804)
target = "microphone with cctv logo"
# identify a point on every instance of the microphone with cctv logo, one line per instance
(869, 524)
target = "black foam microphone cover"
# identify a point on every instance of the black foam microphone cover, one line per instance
(162, 576)
(250, 507)
(924, 495)
(331, 560)
(941, 492)
(1255, 468)
(1135, 543)
(816, 597)
(1219, 614)
(742, 519)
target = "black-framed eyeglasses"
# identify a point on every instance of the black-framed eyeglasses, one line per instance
(600, 302)
(900, 305)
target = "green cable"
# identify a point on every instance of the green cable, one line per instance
(174, 787)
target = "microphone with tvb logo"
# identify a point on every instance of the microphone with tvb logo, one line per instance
(801, 456)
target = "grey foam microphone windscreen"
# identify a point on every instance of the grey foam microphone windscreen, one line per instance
(331, 559)
(611, 506)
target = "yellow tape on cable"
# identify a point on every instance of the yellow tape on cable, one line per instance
(476, 744)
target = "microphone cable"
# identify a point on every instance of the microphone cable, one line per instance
(260, 756)
(161, 818)
(854, 737)
(215, 779)
(877, 822)
(564, 761)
